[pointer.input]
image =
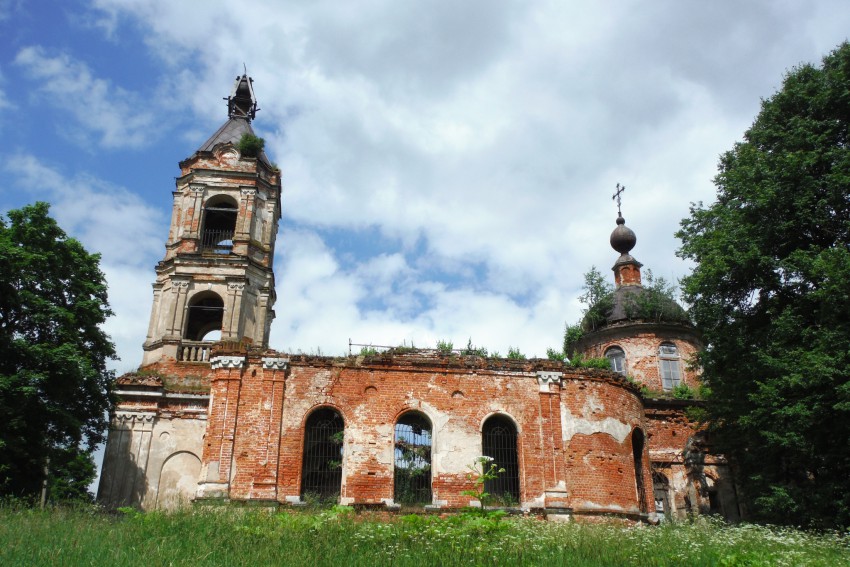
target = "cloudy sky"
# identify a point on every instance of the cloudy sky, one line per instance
(447, 166)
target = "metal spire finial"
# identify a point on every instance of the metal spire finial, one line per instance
(616, 197)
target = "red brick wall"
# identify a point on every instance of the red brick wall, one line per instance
(641, 342)
(574, 438)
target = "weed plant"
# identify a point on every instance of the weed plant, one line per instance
(337, 536)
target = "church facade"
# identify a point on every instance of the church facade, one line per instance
(214, 414)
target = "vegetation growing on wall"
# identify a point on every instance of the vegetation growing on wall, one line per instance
(250, 145)
(654, 302)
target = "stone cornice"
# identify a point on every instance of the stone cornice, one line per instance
(217, 362)
(271, 363)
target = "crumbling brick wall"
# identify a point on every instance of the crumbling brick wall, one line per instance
(574, 427)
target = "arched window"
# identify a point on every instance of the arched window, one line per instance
(321, 472)
(637, 454)
(219, 226)
(499, 442)
(668, 359)
(617, 357)
(204, 316)
(412, 459)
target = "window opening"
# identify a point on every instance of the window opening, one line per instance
(617, 357)
(499, 442)
(668, 356)
(205, 316)
(219, 228)
(413, 459)
(321, 472)
(661, 494)
(637, 453)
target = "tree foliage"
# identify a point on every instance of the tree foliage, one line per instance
(598, 297)
(54, 385)
(771, 294)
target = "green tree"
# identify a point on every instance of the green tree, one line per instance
(598, 297)
(771, 294)
(54, 385)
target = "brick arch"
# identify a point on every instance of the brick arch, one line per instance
(323, 405)
(500, 413)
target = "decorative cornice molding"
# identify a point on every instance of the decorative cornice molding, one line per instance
(544, 378)
(270, 363)
(197, 187)
(131, 418)
(236, 286)
(227, 362)
(248, 192)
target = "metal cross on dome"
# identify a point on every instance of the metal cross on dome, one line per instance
(616, 197)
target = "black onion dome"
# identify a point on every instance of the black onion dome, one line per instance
(623, 238)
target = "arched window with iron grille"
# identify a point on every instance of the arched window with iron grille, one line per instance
(499, 442)
(321, 472)
(413, 459)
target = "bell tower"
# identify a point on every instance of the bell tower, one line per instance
(216, 280)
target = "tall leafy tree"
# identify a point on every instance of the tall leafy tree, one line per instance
(54, 384)
(771, 294)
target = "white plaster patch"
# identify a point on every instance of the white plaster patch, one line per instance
(571, 425)
(455, 446)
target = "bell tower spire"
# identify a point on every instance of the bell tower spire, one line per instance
(216, 281)
(241, 102)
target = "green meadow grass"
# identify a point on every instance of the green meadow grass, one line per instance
(233, 536)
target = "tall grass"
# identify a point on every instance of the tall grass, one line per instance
(229, 536)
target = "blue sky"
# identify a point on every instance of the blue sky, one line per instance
(447, 167)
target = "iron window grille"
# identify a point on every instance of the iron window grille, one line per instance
(499, 442)
(321, 474)
(412, 460)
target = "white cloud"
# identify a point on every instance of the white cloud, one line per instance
(115, 223)
(482, 141)
(100, 109)
(322, 305)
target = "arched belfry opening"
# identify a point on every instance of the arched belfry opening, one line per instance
(219, 226)
(499, 442)
(204, 317)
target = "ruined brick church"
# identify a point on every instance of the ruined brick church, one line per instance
(214, 414)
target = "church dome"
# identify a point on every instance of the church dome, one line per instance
(631, 301)
(634, 303)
